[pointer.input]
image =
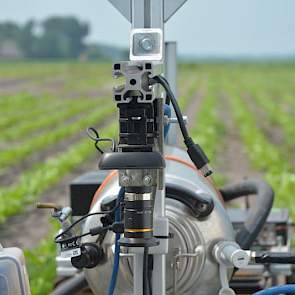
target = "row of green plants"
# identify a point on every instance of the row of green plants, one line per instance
(14, 106)
(37, 143)
(277, 113)
(209, 130)
(55, 114)
(42, 70)
(191, 85)
(34, 181)
(264, 156)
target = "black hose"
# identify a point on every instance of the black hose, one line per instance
(71, 286)
(258, 213)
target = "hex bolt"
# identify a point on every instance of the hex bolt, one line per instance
(125, 180)
(147, 180)
(147, 44)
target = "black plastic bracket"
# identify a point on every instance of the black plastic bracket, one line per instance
(131, 160)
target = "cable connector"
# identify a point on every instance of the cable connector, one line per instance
(116, 227)
(198, 157)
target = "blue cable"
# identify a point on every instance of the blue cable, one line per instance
(115, 271)
(284, 289)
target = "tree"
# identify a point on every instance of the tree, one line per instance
(62, 37)
(27, 39)
(10, 31)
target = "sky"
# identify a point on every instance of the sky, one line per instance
(202, 28)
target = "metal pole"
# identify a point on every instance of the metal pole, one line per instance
(171, 76)
(150, 14)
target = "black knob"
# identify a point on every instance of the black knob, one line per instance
(90, 256)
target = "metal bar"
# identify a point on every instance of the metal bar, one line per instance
(138, 274)
(157, 14)
(147, 14)
(150, 14)
(171, 76)
(138, 17)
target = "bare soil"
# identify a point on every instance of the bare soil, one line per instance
(193, 109)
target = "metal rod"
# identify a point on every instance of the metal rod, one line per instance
(171, 76)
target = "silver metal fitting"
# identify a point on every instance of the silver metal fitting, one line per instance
(175, 120)
(65, 213)
(230, 254)
(132, 197)
(206, 170)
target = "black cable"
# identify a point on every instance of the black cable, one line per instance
(161, 80)
(87, 215)
(274, 257)
(194, 151)
(150, 273)
(56, 240)
(94, 138)
(81, 219)
(145, 285)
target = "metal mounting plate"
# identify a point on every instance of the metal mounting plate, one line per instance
(170, 7)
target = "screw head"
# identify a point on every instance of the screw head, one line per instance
(147, 44)
(147, 180)
(125, 180)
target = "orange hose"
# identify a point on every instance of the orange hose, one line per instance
(102, 186)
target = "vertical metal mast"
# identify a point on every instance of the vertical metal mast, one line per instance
(144, 15)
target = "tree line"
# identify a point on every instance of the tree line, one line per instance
(54, 38)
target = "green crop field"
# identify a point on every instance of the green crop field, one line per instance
(242, 114)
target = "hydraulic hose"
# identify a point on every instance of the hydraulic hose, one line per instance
(258, 213)
(71, 286)
(115, 271)
(284, 289)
